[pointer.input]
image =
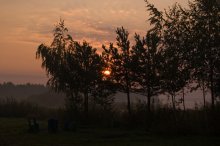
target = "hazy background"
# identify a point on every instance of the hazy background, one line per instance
(43, 96)
(25, 24)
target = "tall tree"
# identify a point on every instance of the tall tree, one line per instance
(176, 67)
(167, 27)
(146, 57)
(90, 69)
(205, 17)
(72, 67)
(60, 65)
(120, 63)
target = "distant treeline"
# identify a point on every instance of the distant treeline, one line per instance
(21, 91)
(34, 93)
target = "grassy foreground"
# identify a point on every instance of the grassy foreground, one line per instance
(13, 132)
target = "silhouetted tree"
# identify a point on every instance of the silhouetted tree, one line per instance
(146, 59)
(61, 67)
(171, 32)
(205, 16)
(103, 94)
(90, 69)
(120, 63)
(176, 66)
(72, 67)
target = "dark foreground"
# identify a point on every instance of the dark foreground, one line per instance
(13, 132)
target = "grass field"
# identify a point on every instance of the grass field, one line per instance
(13, 132)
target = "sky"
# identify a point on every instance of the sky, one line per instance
(25, 24)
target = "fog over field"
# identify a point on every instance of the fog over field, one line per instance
(43, 96)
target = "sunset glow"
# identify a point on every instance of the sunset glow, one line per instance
(27, 24)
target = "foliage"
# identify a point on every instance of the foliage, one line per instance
(190, 42)
(204, 18)
(175, 67)
(146, 57)
(119, 60)
(72, 67)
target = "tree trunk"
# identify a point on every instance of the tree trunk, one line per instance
(174, 106)
(173, 101)
(212, 87)
(74, 97)
(128, 85)
(184, 107)
(128, 98)
(86, 103)
(204, 94)
(74, 101)
(148, 100)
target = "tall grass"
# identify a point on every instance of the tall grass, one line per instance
(10, 107)
(162, 120)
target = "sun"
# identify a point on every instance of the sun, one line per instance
(107, 72)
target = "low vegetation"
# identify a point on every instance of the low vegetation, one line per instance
(13, 132)
(161, 121)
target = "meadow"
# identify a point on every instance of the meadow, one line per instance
(13, 132)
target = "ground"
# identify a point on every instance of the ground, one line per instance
(13, 132)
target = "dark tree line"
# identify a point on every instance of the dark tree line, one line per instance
(181, 48)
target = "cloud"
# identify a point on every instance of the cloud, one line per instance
(25, 24)
(95, 19)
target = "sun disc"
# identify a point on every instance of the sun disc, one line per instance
(107, 72)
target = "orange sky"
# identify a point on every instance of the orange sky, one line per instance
(25, 24)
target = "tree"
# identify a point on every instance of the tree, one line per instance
(172, 35)
(205, 16)
(120, 63)
(146, 57)
(72, 67)
(90, 69)
(176, 68)
(103, 94)
(59, 64)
